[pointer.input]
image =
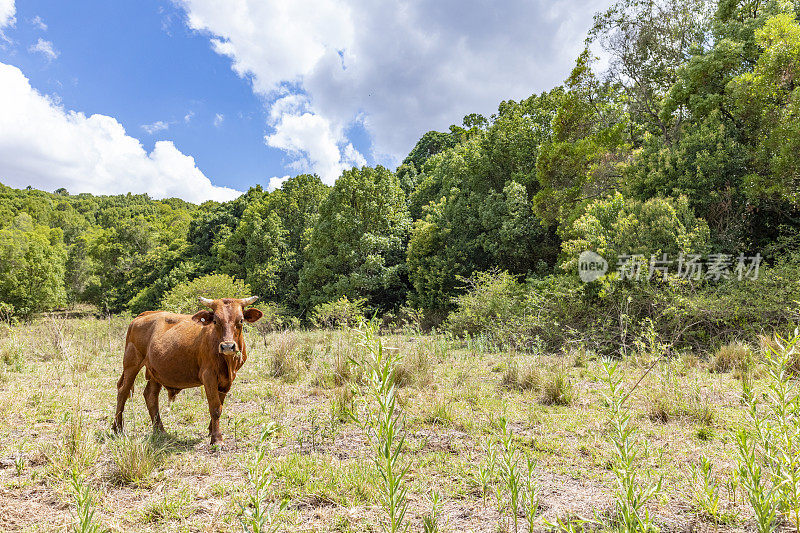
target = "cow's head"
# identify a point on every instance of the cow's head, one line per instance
(227, 316)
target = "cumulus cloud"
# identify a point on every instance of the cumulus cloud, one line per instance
(399, 68)
(45, 48)
(219, 118)
(7, 12)
(276, 183)
(47, 147)
(188, 117)
(155, 127)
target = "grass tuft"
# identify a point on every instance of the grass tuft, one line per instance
(736, 356)
(135, 459)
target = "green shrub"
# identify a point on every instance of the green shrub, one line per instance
(183, 298)
(614, 316)
(492, 297)
(338, 313)
(275, 318)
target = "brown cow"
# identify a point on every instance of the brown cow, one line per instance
(185, 351)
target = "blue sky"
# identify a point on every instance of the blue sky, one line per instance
(216, 97)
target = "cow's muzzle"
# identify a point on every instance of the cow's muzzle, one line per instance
(228, 348)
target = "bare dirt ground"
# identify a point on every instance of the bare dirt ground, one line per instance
(58, 388)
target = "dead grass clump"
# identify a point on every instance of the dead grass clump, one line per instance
(557, 388)
(283, 361)
(671, 399)
(526, 377)
(415, 368)
(332, 371)
(134, 459)
(733, 356)
(342, 404)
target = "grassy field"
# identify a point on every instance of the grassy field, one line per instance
(458, 403)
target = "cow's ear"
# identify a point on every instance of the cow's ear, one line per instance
(252, 314)
(203, 317)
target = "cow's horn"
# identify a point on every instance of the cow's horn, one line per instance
(205, 301)
(250, 301)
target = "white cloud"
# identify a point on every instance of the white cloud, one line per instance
(219, 118)
(7, 12)
(155, 127)
(314, 145)
(46, 146)
(399, 67)
(37, 22)
(45, 48)
(276, 183)
(188, 117)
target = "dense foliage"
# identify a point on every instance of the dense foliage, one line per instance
(688, 142)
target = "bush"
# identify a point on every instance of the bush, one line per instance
(492, 299)
(338, 313)
(183, 298)
(275, 318)
(614, 316)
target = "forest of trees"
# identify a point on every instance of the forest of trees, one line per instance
(688, 140)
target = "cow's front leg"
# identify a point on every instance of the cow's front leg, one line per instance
(210, 384)
(221, 403)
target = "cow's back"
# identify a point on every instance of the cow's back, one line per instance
(150, 325)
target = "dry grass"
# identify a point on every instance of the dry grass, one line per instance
(736, 356)
(57, 402)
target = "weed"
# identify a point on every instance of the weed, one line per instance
(531, 497)
(84, 506)
(283, 362)
(486, 470)
(633, 490)
(385, 427)
(76, 449)
(705, 494)
(430, 522)
(259, 516)
(510, 476)
(769, 447)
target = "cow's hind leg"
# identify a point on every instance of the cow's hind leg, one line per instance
(151, 392)
(131, 365)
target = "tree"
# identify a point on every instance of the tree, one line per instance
(32, 259)
(267, 247)
(647, 40)
(617, 226)
(586, 151)
(358, 243)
